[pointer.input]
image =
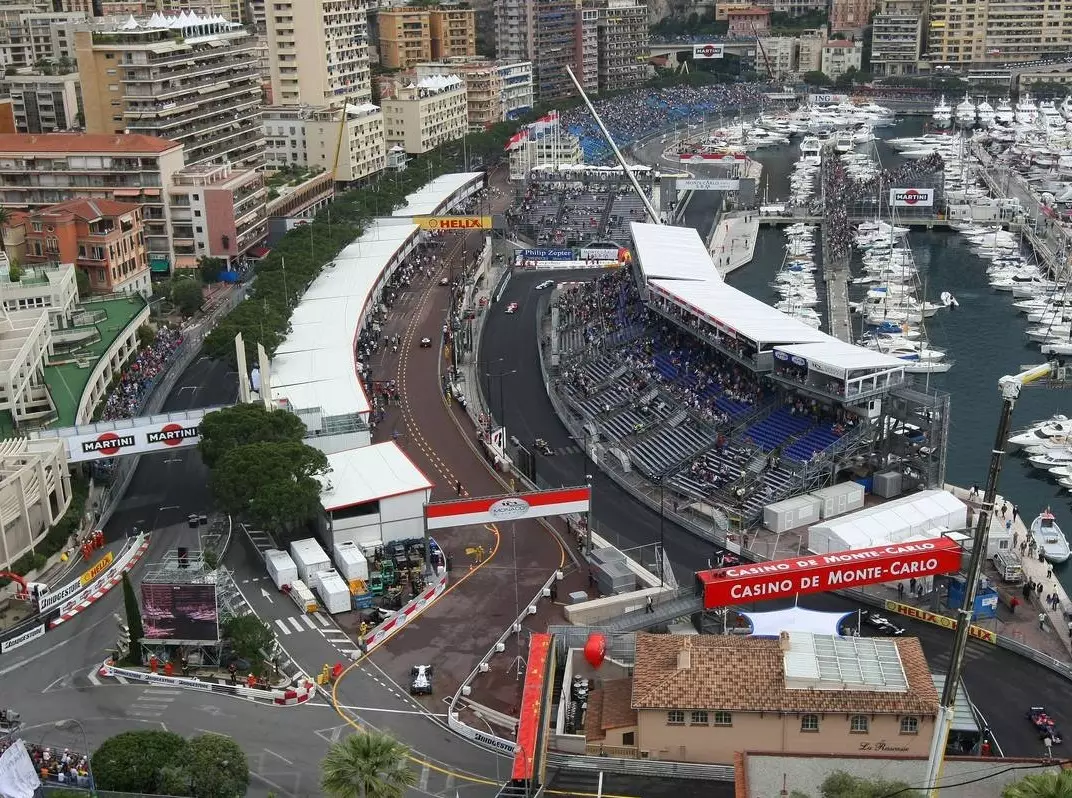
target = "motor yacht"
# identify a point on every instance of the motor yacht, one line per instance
(1026, 110)
(965, 112)
(943, 115)
(1050, 539)
(843, 142)
(811, 149)
(1055, 426)
(1004, 114)
(1049, 460)
(984, 114)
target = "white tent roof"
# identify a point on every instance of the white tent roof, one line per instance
(369, 473)
(922, 515)
(431, 197)
(795, 619)
(726, 307)
(672, 253)
(839, 356)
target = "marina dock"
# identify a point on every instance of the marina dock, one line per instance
(733, 240)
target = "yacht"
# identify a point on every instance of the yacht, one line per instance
(984, 114)
(1066, 108)
(1050, 118)
(843, 142)
(1003, 114)
(811, 149)
(965, 112)
(1050, 539)
(943, 114)
(1026, 110)
(1054, 427)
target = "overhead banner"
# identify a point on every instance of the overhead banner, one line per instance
(978, 632)
(133, 440)
(702, 51)
(450, 223)
(497, 509)
(714, 184)
(822, 573)
(713, 157)
(829, 99)
(548, 254)
(911, 197)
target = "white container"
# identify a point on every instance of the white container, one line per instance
(350, 562)
(309, 558)
(836, 500)
(791, 513)
(280, 567)
(333, 592)
(303, 596)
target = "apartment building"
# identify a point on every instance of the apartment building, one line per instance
(103, 239)
(45, 103)
(839, 56)
(41, 170)
(898, 33)
(554, 47)
(810, 50)
(422, 115)
(217, 211)
(318, 52)
(355, 143)
(850, 16)
(748, 22)
(30, 33)
(405, 37)
(587, 53)
(997, 32)
(723, 10)
(231, 10)
(561, 150)
(189, 79)
(782, 55)
(494, 90)
(624, 44)
(453, 32)
(35, 481)
(513, 29)
(284, 135)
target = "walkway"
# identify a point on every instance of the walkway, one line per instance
(733, 242)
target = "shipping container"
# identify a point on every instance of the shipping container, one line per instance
(333, 592)
(280, 567)
(351, 562)
(309, 559)
(303, 596)
(848, 497)
(791, 513)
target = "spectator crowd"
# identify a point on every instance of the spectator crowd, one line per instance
(135, 382)
(55, 766)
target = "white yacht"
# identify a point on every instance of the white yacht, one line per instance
(984, 114)
(1050, 118)
(1026, 110)
(843, 141)
(1054, 427)
(1003, 114)
(965, 112)
(943, 114)
(1050, 539)
(811, 149)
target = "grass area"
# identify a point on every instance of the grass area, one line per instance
(67, 381)
(290, 176)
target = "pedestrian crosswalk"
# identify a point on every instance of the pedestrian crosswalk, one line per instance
(302, 623)
(152, 702)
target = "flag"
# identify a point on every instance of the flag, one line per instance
(517, 140)
(543, 124)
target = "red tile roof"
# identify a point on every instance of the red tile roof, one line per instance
(89, 210)
(74, 143)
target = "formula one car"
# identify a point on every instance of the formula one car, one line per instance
(1044, 724)
(512, 307)
(426, 343)
(882, 624)
(420, 680)
(542, 447)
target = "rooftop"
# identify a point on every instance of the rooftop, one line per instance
(672, 253)
(748, 674)
(608, 708)
(68, 379)
(88, 210)
(370, 473)
(79, 143)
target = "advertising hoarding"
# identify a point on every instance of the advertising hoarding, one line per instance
(912, 197)
(179, 611)
(96, 569)
(820, 573)
(497, 509)
(452, 223)
(709, 184)
(528, 725)
(978, 632)
(701, 52)
(547, 254)
(133, 440)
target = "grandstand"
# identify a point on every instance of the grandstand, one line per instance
(712, 394)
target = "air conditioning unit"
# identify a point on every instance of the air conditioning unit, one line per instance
(645, 754)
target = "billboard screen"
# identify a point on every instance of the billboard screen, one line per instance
(912, 197)
(179, 612)
(702, 51)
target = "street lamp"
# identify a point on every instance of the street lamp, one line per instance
(499, 377)
(66, 725)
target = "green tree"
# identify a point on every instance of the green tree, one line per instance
(249, 636)
(217, 767)
(134, 626)
(816, 78)
(840, 784)
(133, 761)
(14, 271)
(846, 78)
(1041, 785)
(367, 765)
(210, 268)
(273, 483)
(242, 425)
(186, 295)
(146, 335)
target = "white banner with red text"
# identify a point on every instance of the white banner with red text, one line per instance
(513, 507)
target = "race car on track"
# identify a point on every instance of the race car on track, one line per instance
(420, 680)
(512, 307)
(545, 284)
(882, 624)
(1044, 724)
(426, 343)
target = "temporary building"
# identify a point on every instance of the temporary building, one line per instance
(309, 558)
(280, 567)
(922, 515)
(795, 619)
(333, 592)
(350, 561)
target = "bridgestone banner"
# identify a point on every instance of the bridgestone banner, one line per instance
(912, 197)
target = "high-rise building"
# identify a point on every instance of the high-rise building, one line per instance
(217, 212)
(420, 116)
(513, 30)
(188, 79)
(31, 34)
(405, 37)
(897, 37)
(840, 55)
(997, 32)
(494, 91)
(587, 67)
(354, 146)
(453, 32)
(318, 52)
(45, 103)
(624, 44)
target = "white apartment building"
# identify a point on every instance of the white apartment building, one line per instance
(30, 34)
(810, 50)
(495, 91)
(35, 492)
(588, 49)
(318, 52)
(517, 94)
(45, 103)
(548, 150)
(839, 56)
(897, 37)
(425, 114)
(782, 53)
(356, 147)
(284, 135)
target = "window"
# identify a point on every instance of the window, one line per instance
(629, 738)
(909, 725)
(723, 718)
(809, 723)
(698, 717)
(858, 724)
(675, 717)
(37, 227)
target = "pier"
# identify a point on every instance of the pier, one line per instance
(733, 240)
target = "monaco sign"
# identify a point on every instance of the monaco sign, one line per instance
(912, 197)
(821, 573)
(702, 51)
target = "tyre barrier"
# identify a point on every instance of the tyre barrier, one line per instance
(281, 697)
(298, 695)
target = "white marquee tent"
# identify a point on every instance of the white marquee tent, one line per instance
(920, 516)
(795, 619)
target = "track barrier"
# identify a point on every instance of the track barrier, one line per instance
(297, 694)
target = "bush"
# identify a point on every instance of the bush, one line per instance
(134, 761)
(217, 767)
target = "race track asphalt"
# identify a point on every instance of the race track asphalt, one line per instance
(1001, 684)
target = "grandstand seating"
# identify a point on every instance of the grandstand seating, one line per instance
(669, 447)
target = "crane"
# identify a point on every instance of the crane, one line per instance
(1010, 387)
(762, 52)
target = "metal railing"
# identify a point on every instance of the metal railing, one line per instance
(642, 767)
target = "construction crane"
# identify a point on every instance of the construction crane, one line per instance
(1010, 387)
(762, 52)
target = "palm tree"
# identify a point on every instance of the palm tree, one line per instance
(1041, 785)
(367, 765)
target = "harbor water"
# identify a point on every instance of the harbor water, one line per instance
(984, 337)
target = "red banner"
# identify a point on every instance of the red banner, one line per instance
(821, 573)
(528, 725)
(497, 509)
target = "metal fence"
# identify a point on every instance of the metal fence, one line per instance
(650, 768)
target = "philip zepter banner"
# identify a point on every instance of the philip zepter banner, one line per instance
(133, 440)
(912, 197)
(497, 509)
(702, 51)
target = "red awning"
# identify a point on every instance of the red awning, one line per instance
(259, 252)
